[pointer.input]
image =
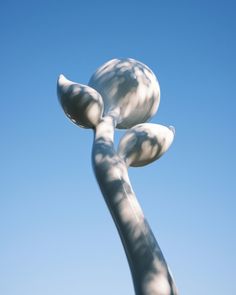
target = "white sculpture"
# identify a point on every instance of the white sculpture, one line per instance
(124, 93)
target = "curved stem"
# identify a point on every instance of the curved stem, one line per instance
(147, 264)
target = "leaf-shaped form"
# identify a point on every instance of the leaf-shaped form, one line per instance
(81, 103)
(130, 88)
(144, 143)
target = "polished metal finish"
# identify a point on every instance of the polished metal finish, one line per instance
(124, 94)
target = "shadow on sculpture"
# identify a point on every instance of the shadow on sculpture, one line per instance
(124, 94)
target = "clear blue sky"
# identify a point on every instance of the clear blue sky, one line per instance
(56, 234)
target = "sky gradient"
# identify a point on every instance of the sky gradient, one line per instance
(57, 236)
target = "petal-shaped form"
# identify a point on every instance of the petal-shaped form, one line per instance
(144, 143)
(81, 103)
(130, 88)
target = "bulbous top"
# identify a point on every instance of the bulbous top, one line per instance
(128, 88)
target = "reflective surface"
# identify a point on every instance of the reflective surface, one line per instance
(82, 104)
(129, 87)
(145, 143)
(123, 94)
(149, 270)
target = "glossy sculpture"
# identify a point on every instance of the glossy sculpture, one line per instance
(124, 93)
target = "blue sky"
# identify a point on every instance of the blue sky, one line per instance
(57, 236)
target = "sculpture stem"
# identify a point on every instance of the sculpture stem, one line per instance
(148, 267)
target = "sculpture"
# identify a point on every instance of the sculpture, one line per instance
(124, 93)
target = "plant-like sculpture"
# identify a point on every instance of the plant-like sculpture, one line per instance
(124, 93)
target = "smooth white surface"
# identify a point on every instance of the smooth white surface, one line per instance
(148, 267)
(129, 87)
(130, 94)
(81, 103)
(145, 143)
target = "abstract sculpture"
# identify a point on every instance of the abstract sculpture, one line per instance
(124, 93)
